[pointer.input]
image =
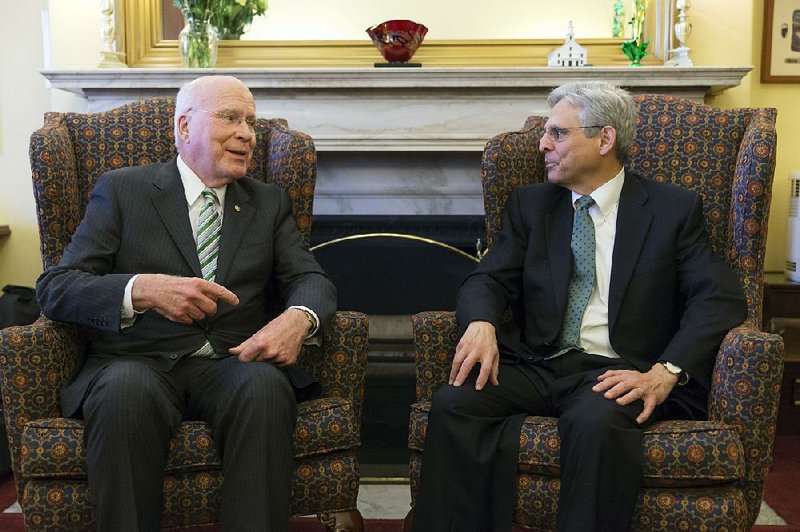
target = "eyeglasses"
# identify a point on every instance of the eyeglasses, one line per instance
(557, 134)
(231, 119)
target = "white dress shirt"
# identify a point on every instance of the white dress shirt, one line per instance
(594, 337)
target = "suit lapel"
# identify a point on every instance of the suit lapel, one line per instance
(633, 224)
(170, 203)
(558, 227)
(239, 212)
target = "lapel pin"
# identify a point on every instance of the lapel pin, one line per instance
(237, 208)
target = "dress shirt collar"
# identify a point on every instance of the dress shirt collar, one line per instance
(193, 187)
(607, 196)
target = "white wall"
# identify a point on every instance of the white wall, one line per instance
(23, 100)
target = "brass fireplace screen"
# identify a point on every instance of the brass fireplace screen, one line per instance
(393, 273)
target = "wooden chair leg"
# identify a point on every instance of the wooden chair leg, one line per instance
(348, 521)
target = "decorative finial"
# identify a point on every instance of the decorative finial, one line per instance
(111, 57)
(683, 28)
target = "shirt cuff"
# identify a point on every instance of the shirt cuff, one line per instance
(312, 318)
(127, 314)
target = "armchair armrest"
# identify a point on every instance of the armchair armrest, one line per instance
(340, 365)
(435, 339)
(34, 361)
(745, 393)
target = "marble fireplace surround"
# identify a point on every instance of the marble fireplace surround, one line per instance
(404, 141)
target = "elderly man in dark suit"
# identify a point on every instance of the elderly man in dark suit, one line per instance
(619, 308)
(170, 267)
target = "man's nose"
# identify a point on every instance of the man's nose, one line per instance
(243, 130)
(545, 144)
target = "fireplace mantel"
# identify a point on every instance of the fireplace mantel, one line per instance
(396, 141)
(396, 109)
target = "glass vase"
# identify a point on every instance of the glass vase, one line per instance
(198, 44)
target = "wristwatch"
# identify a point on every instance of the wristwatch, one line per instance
(683, 377)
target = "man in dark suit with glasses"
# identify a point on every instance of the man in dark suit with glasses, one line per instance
(619, 309)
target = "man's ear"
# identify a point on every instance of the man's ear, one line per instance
(608, 139)
(183, 128)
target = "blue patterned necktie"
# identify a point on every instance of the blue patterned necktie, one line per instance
(582, 278)
(208, 231)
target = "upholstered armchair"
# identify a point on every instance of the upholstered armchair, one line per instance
(703, 475)
(67, 155)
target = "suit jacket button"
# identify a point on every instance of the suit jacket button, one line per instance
(173, 356)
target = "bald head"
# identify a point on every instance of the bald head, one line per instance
(200, 93)
(214, 132)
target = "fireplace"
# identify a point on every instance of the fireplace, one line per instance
(390, 267)
(396, 264)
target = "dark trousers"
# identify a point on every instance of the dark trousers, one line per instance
(472, 446)
(132, 410)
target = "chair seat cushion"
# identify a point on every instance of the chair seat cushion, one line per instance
(676, 453)
(53, 447)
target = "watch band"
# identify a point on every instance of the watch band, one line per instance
(311, 321)
(683, 377)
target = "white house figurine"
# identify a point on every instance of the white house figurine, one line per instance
(569, 54)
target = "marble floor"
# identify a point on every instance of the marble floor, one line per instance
(384, 501)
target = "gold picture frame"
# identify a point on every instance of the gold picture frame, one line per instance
(145, 47)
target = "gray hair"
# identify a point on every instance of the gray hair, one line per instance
(601, 103)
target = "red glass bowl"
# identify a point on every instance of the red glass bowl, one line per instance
(397, 40)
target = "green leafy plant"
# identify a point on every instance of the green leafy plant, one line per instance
(634, 49)
(198, 9)
(231, 17)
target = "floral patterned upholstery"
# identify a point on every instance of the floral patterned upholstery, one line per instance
(68, 154)
(705, 475)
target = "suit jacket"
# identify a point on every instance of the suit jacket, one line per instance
(137, 221)
(670, 298)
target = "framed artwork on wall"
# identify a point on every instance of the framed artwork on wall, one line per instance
(780, 47)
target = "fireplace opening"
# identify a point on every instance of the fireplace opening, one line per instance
(390, 267)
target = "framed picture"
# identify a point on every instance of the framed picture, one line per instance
(780, 49)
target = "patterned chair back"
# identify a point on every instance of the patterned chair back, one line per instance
(72, 150)
(509, 160)
(726, 155)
